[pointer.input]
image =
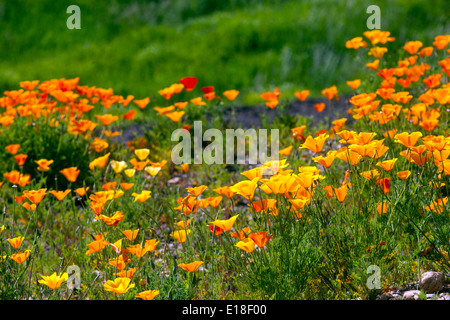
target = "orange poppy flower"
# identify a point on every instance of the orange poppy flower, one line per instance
(20, 158)
(315, 144)
(99, 162)
(242, 234)
(403, 175)
(231, 94)
(113, 220)
(302, 95)
(319, 107)
(35, 196)
(71, 173)
(382, 207)
(143, 196)
(191, 267)
(355, 43)
(129, 115)
(181, 235)
(29, 85)
(15, 242)
(196, 191)
(286, 151)
(20, 257)
(354, 84)
(198, 101)
(81, 191)
(246, 244)
(412, 46)
(142, 103)
(43, 164)
(175, 116)
(131, 234)
(246, 188)
(387, 165)
(60, 195)
(13, 176)
(330, 93)
(106, 119)
(225, 224)
(408, 139)
(260, 238)
(12, 148)
(373, 65)
(226, 191)
(126, 185)
(147, 295)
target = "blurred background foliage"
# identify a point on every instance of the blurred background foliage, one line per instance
(139, 47)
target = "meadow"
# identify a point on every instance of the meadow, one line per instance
(88, 214)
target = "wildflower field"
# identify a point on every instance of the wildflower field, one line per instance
(89, 214)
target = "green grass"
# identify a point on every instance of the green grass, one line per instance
(140, 47)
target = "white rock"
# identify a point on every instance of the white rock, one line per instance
(411, 295)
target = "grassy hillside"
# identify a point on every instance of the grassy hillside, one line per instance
(139, 47)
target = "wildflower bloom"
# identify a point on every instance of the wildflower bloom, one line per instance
(242, 234)
(143, 196)
(437, 206)
(54, 281)
(181, 235)
(231, 94)
(35, 196)
(355, 43)
(71, 173)
(142, 154)
(97, 245)
(20, 158)
(131, 234)
(13, 176)
(225, 224)
(81, 191)
(152, 171)
(382, 208)
(302, 95)
(191, 267)
(196, 191)
(12, 148)
(319, 107)
(260, 238)
(147, 295)
(407, 139)
(99, 162)
(315, 144)
(43, 164)
(354, 84)
(119, 285)
(20, 257)
(15, 242)
(387, 165)
(246, 245)
(403, 175)
(113, 220)
(246, 188)
(60, 195)
(189, 83)
(385, 184)
(106, 119)
(330, 93)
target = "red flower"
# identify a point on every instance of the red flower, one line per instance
(385, 184)
(189, 83)
(208, 89)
